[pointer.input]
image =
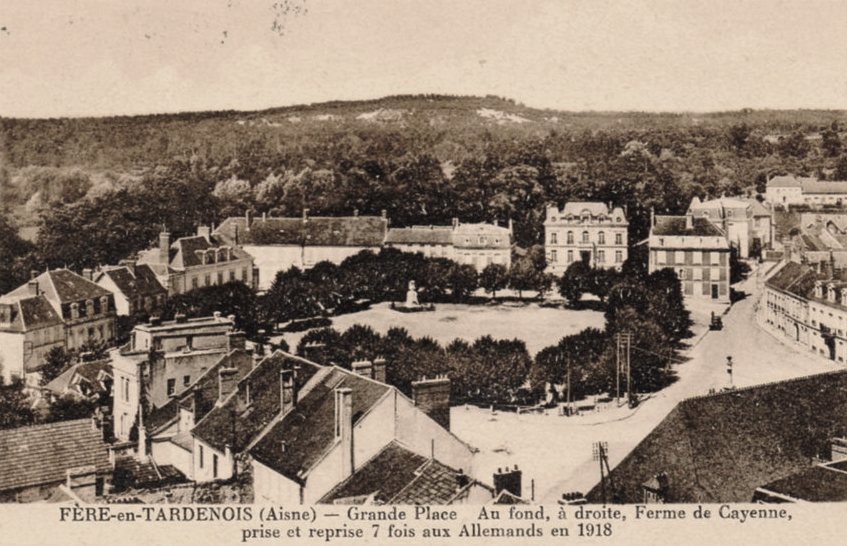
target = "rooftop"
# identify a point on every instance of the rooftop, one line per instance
(26, 313)
(360, 231)
(139, 280)
(62, 286)
(41, 454)
(722, 447)
(679, 226)
(819, 483)
(308, 430)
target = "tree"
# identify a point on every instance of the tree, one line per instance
(738, 136)
(15, 407)
(574, 282)
(841, 168)
(794, 145)
(831, 141)
(462, 280)
(493, 278)
(527, 271)
(56, 361)
(69, 407)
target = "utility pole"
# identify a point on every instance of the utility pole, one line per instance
(570, 409)
(623, 342)
(729, 370)
(600, 453)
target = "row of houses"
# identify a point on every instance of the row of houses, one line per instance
(279, 243)
(807, 307)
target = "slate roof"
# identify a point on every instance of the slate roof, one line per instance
(808, 184)
(576, 208)
(676, 225)
(216, 428)
(794, 278)
(819, 483)
(41, 454)
(87, 372)
(184, 251)
(720, 448)
(431, 235)
(309, 429)
(358, 231)
(29, 313)
(138, 281)
(63, 286)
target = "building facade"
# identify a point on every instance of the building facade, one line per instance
(163, 359)
(696, 250)
(590, 232)
(136, 288)
(278, 244)
(57, 308)
(475, 244)
(790, 190)
(197, 261)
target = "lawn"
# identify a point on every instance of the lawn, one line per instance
(537, 326)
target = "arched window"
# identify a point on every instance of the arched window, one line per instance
(584, 236)
(570, 237)
(601, 238)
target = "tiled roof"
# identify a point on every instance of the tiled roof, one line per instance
(819, 483)
(364, 231)
(41, 454)
(29, 313)
(676, 225)
(433, 235)
(216, 428)
(384, 476)
(309, 429)
(720, 448)
(436, 484)
(139, 281)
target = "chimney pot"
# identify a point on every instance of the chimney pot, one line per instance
(164, 247)
(288, 394)
(32, 287)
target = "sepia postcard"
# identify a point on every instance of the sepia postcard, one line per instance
(359, 272)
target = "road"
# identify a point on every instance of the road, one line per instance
(555, 452)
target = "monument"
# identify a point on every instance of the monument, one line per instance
(412, 304)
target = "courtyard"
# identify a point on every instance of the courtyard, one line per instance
(537, 326)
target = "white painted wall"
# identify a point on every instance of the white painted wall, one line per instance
(11, 355)
(270, 486)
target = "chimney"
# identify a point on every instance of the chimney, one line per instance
(355, 213)
(32, 288)
(235, 340)
(164, 247)
(180, 318)
(344, 428)
(88, 273)
(455, 223)
(508, 480)
(217, 316)
(511, 227)
(248, 219)
(205, 232)
(155, 320)
(287, 392)
(652, 217)
(305, 214)
(363, 368)
(378, 372)
(432, 396)
(689, 222)
(33, 273)
(231, 318)
(227, 382)
(264, 217)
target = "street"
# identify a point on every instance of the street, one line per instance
(555, 452)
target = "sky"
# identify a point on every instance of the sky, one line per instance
(106, 57)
